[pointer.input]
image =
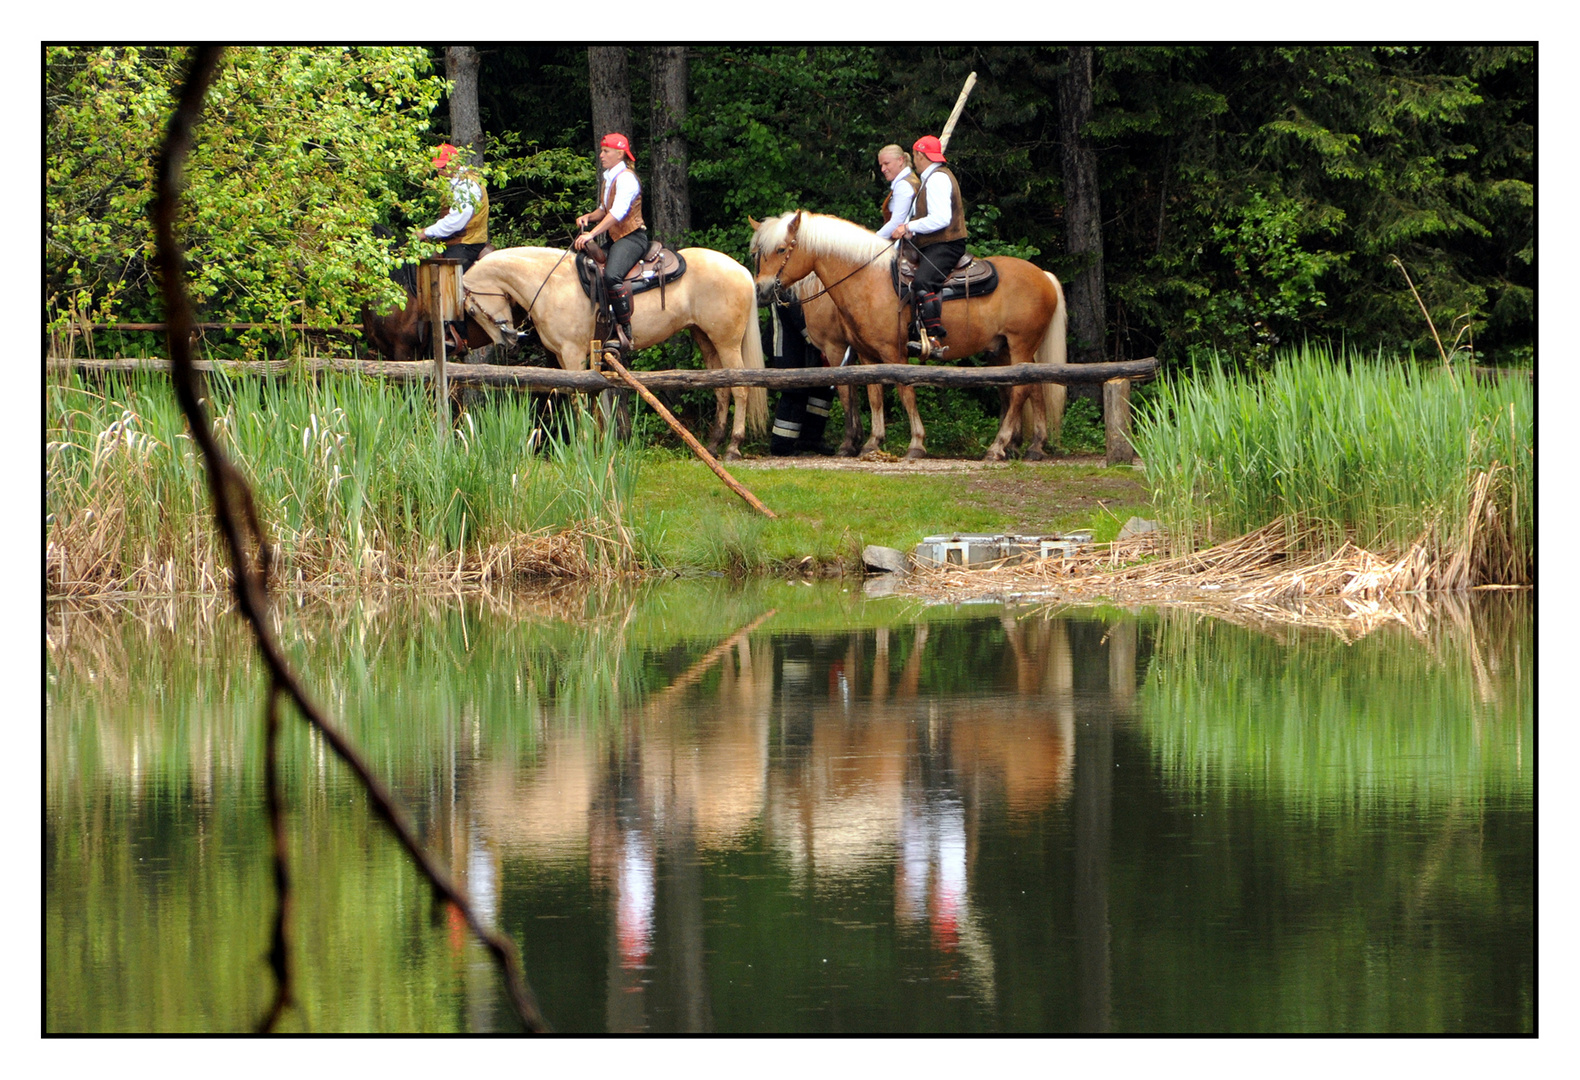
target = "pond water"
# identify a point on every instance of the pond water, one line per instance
(779, 808)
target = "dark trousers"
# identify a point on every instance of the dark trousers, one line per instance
(801, 415)
(467, 253)
(935, 263)
(624, 253)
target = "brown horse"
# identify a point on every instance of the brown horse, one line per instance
(403, 333)
(714, 298)
(1021, 321)
(826, 329)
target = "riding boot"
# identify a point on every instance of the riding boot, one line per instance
(620, 306)
(932, 313)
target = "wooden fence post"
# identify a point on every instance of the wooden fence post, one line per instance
(1116, 421)
(441, 280)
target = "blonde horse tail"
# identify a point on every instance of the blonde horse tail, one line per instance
(752, 357)
(1053, 351)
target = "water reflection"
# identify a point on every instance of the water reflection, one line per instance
(1092, 821)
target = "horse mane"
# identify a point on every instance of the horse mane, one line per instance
(805, 287)
(821, 234)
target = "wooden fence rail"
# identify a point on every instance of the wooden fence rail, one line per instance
(546, 378)
(1116, 378)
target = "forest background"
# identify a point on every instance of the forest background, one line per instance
(1200, 196)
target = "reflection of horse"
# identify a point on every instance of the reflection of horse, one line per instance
(714, 298)
(1021, 321)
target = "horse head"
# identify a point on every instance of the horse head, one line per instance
(489, 306)
(778, 259)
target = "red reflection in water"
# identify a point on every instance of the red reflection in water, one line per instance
(634, 907)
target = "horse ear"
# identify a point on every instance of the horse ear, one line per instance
(753, 222)
(795, 224)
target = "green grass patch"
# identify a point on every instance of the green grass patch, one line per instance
(692, 521)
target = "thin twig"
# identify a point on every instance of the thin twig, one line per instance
(234, 510)
(1429, 323)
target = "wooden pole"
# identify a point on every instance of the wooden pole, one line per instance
(441, 385)
(954, 117)
(1116, 421)
(691, 440)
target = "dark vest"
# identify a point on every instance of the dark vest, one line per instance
(633, 219)
(956, 229)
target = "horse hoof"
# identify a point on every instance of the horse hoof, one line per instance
(1035, 455)
(849, 451)
(915, 454)
(732, 455)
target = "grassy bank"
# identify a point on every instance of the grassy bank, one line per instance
(352, 482)
(1418, 461)
(691, 520)
(355, 487)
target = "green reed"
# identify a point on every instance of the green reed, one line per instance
(351, 476)
(1440, 715)
(1384, 453)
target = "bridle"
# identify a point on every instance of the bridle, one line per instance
(504, 324)
(783, 297)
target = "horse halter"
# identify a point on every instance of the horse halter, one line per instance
(780, 296)
(503, 324)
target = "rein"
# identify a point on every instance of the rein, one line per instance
(780, 293)
(507, 296)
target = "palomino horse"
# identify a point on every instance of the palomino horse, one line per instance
(826, 330)
(714, 298)
(1021, 321)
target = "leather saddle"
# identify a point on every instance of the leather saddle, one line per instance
(970, 277)
(658, 267)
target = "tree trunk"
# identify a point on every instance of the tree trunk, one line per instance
(1082, 214)
(466, 128)
(611, 91)
(671, 215)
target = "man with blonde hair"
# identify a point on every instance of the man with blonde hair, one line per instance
(895, 164)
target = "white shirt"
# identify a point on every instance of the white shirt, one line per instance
(465, 194)
(939, 210)
(901, 196)
(626, 188)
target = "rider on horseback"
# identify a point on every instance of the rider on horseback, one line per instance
(618, 217)
(937, 227)
(895, 165)
(464, 226)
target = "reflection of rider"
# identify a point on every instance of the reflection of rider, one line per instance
(619, 217)
(801, 415)
(938, 228)
(464, 226)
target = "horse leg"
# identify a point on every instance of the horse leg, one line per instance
(738, 428)
(852, 423)
(879, 428)
(918, 447)
(1006, 428)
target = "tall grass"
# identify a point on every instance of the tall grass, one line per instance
(1386, 454)
(352, 479)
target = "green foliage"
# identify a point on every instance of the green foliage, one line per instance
(300, 152)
